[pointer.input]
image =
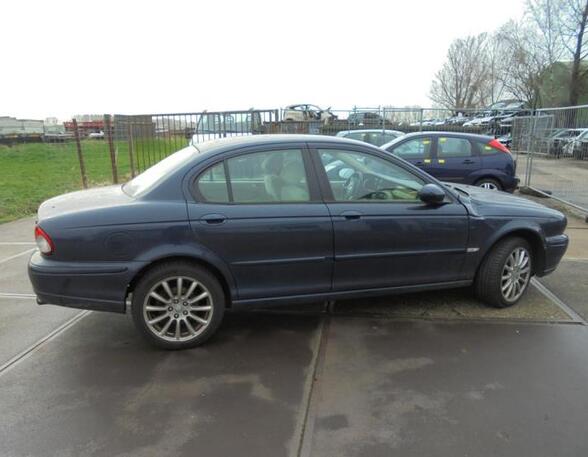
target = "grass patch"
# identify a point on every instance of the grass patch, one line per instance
(31, 173)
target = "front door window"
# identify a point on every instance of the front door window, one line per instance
(355, 176)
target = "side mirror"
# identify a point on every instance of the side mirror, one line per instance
(431, 194)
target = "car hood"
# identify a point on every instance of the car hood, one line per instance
(485, 202)
(100, 197)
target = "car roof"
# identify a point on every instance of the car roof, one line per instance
(369, 131)
(471, 136)
(224, 144)
(434, 133)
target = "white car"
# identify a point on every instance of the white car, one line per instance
(306, 112)
(96, 135)
(377, 137)
(577, 147)
(479, 121)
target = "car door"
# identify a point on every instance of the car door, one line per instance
(455, 159)
(260, 212)
(384, 235)
(417, 151)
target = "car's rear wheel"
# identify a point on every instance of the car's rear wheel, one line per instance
(505, 273)
(177, 305)
(489, 183)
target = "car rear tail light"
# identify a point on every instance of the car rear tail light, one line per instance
(498, 145)
(44, 241)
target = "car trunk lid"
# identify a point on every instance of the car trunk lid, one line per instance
(99, 197)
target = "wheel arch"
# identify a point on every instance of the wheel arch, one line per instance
(528, 234)
(493, 177)
(226, 283)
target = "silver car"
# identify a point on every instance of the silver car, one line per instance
(377, 137)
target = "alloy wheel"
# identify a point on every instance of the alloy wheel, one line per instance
(515, 274)
(178, 309)
(488, 185)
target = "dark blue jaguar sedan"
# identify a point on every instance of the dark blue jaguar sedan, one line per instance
(264, 220)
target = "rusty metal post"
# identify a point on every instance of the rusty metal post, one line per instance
(80, 155)
(131, 157)
(108, 127)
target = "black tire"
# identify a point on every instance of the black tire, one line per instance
(489, 181)
(487, 284)
(215, 300)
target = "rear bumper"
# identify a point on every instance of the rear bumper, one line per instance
(511, 184)
(555, 248)
(97, 286)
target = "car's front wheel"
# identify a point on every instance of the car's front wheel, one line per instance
(505, 273)
(177, 305)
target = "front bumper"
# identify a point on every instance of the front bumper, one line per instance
(97, 286)
(555, 248)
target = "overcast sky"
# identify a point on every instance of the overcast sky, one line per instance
(61, 58)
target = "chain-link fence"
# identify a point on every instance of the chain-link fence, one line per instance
(551, 146)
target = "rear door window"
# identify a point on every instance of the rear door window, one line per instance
(448, 147)
(258, 177)
(272, 176)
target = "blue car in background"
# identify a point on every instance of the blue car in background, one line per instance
(462, 158)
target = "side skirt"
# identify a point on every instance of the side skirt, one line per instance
(295, 299)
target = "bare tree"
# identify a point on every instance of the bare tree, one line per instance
(494, 81)
(573, 27)
(544, 17)
(526, 57)
(461, 81)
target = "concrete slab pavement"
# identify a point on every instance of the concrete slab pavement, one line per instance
(455, 304)
(403, 375)
(23, 323)
(98, 390)
(19, 231)
(13, 274)
(570, 283)
(387, 388)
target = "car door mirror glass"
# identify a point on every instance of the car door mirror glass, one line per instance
(431, 194)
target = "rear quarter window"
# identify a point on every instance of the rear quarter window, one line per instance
(487, 150)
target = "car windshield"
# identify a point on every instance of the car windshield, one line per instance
(147, 180)
(393, 142)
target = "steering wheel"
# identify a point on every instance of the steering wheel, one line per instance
(353, 186)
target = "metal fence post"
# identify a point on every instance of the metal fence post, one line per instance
(108, 127)
(131, 157)
(421, 120)
(80, 155)
(531, 151)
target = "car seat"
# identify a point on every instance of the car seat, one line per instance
(293, 177)
(272, 168)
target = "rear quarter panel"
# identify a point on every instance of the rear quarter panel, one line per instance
(500, 165)
(117, 233)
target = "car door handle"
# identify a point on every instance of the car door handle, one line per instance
(418, 163)
(213, 218)
(351, 215)
(468, 161)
